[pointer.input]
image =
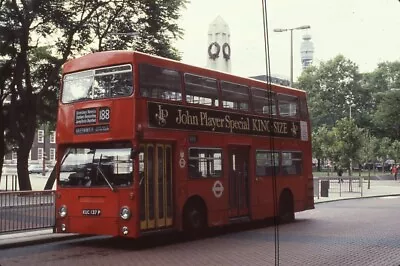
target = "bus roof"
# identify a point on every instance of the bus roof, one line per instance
(107, 58)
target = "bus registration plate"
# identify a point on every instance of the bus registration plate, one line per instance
(91, 212)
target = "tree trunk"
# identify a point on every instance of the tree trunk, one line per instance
(22, 169)
(24, 146)
(319, 165)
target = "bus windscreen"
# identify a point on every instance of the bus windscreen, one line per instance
(91, 166)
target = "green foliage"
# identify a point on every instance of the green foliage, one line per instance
(38, 36)
(322, 142)
(394, 151)
(386, 115)
(369, 148)
(332, 87)
(348, 143)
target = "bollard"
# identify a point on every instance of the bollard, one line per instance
(325, 188)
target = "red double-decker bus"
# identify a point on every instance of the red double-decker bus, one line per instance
(146, 144)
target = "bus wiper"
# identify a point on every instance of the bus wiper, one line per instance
(103, 175)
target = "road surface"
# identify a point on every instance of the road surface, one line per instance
(355, 232)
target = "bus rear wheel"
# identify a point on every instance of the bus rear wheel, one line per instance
(194, 219)
(286, 207)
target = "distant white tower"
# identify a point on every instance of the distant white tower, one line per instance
(307, 51)
(219, 49)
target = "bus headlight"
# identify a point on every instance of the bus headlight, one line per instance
(125, 213)
(63, 211)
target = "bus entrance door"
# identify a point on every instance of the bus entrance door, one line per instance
(238, 181)
(155, 171)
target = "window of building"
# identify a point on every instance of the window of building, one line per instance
(291, 163)
(267, 163)
(288, 105)
(52, 137)
(14, 155)
(235, 96)
(264, 101)
(205, 162)
(40, 153)
(40, 136)
(160, 83)
(52, 154)
(201, 90)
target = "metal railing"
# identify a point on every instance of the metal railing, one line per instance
(26, 210)
(9, 182)
(338, 186)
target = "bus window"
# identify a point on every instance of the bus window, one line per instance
(291, 163)
(160, 83)
(235, 96)
(303, 108)
(201, 90)
(288, 105)
(264, 102)
(205, 162)
(107, 82)
(267, 163)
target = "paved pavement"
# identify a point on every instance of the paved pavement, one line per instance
(378, 188)
(21, 239)
(357, 232)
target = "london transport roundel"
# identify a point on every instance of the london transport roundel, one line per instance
(218, 189)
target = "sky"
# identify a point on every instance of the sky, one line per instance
(364, 31)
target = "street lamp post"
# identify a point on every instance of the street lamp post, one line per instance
(304, 27)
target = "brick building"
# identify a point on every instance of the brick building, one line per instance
(44, 143)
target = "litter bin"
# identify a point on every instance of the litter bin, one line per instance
(324, 188)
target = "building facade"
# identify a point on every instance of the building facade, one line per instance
(44, 146)
(275, 80)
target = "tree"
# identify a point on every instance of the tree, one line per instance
(367, 155)
(332, 87)
(384, 83)
(394, 151)
(70, 24)
(386, 116)
(383, 150)
(322, 142)
(348, 143)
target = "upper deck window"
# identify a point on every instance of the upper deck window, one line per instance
(160, 83)
(235, 96)
(107, 82)
(201, 90)
(288, 105)
(264, 102)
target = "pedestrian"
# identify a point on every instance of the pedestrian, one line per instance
(340, 173)
(396, 169)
